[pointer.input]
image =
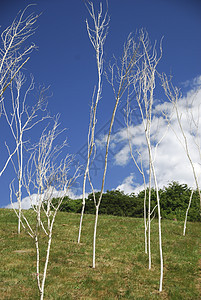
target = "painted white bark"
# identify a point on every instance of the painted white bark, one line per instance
(128, 62)
(21, 119)
(173, 95)
(94, 239)
(144, 83)
(97, 36)
(159, 230)
(149, 217)
(189, 205)
(13, 56)
(43, 175)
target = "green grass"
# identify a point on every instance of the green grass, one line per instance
(121, 265)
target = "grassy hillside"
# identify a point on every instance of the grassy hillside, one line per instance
(122, 267)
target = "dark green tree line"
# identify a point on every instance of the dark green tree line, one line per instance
(174, 202)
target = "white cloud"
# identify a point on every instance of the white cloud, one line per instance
(127, 185)
(72, 194)
(123, 156)
(30, 201)
(26, 203)
(193, 82)
(171, 161)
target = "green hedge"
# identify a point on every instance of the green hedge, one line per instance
(174, 201)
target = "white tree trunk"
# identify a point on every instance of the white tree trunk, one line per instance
(37, 263)
(19, 218)
(94, 239)
(149, 218)
(159, 230)
(46, 263)
(145, 221)
(189, 204)
(97, 36)
(81, 220)
(20, 166)
(159, 213)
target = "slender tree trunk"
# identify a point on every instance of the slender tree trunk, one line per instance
(81, 220)
(159, 213)
(37, 263)
(189, 204)
(159, 230)
(145, 221)
(46, 264)
(19, 206)
(94, 240)
(84, 188)
(149, 218)
(19, 218)
(20, 162)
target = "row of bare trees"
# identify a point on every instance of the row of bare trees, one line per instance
(134, 79)
(42, 171)
(133, 74)
(45, 177)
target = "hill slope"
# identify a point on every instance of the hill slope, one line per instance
(122, 267)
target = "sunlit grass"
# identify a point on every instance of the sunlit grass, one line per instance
(121, 264)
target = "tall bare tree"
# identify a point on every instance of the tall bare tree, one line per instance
(174, 96)
(127, 63)
(144, 83)
(97, 35)
(22, 116)
(46, 177)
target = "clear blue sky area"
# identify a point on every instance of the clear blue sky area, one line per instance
(65, 60)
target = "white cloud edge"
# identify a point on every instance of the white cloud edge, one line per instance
(29, 201)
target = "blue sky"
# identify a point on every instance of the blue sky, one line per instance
(65, 60)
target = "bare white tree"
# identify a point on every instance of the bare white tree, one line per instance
(144, 83)
(21, 118)
(131, 58)
(128, 61)
(97, 36)
(46, 177)
(14, 52)
(174, 96)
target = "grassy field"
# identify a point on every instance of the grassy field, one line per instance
(122, 267)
